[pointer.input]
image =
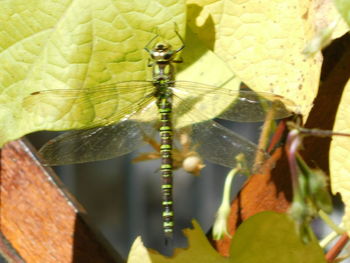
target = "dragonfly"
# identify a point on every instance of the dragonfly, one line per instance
(125, 112)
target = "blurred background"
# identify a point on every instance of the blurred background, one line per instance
(123, 198)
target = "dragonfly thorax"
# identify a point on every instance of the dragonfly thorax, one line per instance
(162, 56)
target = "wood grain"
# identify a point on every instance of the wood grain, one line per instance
(39, 218)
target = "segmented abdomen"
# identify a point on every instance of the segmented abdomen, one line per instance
(166, 168)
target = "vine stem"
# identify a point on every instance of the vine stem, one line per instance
(330, 223)
(337, 248)
(292, 146)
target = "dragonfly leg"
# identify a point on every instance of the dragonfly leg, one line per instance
(149, 63)
(179, 60)
(149, 43)
(181, 39)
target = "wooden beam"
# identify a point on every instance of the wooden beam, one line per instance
(39, 220)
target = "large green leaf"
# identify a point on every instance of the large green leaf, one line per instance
(50, 44)
(272, 237)
(265, 237)
(45, 44)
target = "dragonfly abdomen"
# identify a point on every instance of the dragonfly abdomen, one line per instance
(166, 168)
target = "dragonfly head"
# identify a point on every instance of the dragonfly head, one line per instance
(162, 52)
(162, 46)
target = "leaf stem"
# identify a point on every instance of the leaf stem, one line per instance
(330, 222)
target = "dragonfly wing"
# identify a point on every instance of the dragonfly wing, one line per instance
(234, 105)
(211, 140)
(97, 106)
(220, 145)
(95, 144)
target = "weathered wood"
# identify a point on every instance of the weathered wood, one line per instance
(8, 253)
(39, 218)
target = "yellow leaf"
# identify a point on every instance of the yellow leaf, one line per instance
(327, 13)
(339, 155)
(339, 150)
(328, 24)
(138, 253)
(262, 41)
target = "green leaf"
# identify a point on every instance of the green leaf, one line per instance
(344, 9)
(272, 237)
(265, 237)
(73, 44)
(45, 44)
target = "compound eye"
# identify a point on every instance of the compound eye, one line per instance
(161, 46)
(167, 55)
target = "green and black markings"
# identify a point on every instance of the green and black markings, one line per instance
(162, 58)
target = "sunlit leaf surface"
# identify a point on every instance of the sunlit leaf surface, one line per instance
(344, 8)
(339, 152)
(80, 44)
(199, 250)
(266, 237)
(272, 237)
(263, 43)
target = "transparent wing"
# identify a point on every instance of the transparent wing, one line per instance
(194, 104)
(234, 105)
(95, 144)
(101, 105)
(220, 145)
(214, 142)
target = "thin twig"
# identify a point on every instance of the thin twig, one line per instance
(337, 248)
(323, 215)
